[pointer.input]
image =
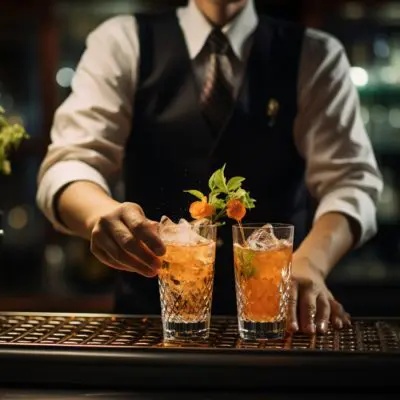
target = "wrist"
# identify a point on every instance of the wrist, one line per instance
(306, 262)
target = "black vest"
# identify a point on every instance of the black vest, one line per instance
(171, 147)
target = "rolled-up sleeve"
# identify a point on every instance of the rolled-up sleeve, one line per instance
(341, 169)
(91, 127)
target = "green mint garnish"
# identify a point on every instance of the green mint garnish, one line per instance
(246, 257)
(222, 191)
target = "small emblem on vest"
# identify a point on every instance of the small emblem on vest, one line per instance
(272, 111)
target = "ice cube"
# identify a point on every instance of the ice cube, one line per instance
(180, 233)
(201, 222)
(199, 225)
(263, 239)
(285, 243)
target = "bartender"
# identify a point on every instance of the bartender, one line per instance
(164, 100)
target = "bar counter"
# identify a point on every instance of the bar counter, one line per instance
(98, 352)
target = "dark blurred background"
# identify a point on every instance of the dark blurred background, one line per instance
(41, 42)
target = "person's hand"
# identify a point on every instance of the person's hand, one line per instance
(126, 240)
(311, 305)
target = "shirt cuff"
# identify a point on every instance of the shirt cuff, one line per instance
(354, 203)
(57, 177)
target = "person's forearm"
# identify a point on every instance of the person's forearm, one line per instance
(81, 204)
(331, 237)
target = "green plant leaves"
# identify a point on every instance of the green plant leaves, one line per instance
(11, 137)
(217, 182)
(235, 183)
(222, 191)
(195, 193)
(246, 257)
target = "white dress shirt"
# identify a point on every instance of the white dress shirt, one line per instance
(92, 126)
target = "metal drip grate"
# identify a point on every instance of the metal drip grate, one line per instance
(107, 331)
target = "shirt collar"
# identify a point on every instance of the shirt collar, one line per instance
(196, 28)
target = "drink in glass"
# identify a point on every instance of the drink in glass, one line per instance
(186, 279)
(262, 258)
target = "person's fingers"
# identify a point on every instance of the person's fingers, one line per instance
(347, 320)
(132, 246)
(105, 259)
(142, 269)
(323, 314)
(346, 315)
(338, 315)
(116, 257)
(144, 230)
(308, 310)
(145, 255)
(292, 324)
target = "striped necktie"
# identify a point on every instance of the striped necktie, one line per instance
(217, 96)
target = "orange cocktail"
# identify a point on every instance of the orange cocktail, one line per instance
(262, 257)
(186, 282)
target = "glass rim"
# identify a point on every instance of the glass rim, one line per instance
(205, 226)
(260, 225)
(215, 225)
